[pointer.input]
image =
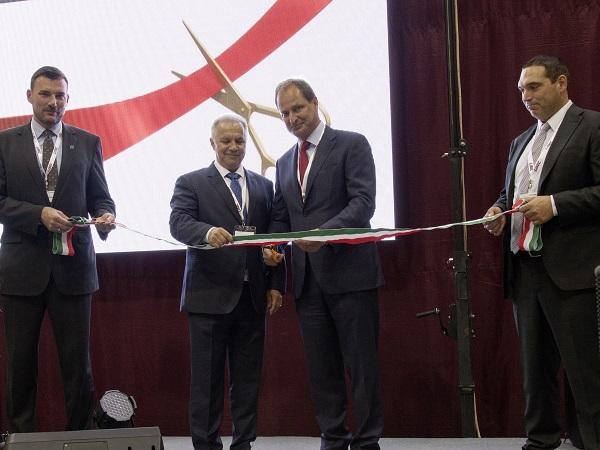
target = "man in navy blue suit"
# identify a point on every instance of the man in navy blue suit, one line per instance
(327, 180)
(226, 291)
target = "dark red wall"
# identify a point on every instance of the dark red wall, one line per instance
(140, 346)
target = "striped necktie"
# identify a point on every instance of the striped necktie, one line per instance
(525, 185)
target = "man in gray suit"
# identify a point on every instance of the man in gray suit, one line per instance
(49, 171)
(226, 291)
(555, 166)
(327, 180)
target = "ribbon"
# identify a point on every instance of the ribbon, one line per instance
(351, 236)
(62, 243)
(530, 238)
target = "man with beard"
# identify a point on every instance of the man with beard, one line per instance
(49, 172)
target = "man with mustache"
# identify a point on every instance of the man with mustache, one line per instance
(327, 180)
(49, 172)
(226, 291)
(555, 167)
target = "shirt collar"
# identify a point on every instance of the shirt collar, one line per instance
(315, 137)
(557, 118)
(38, 129)
(223, 171)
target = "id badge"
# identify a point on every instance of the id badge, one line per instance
(244, 230)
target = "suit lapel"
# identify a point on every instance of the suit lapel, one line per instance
(252, 185)
(290, 165)
(563, 134)
(512, 165)
(30, 156)
(218, 183)
(322, 152)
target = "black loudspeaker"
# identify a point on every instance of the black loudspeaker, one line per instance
(147, 438)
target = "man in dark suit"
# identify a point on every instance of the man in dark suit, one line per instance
(226, 291)
(327, 180)
(558, 174)
(49, 171)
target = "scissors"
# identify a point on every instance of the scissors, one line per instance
(230, 98)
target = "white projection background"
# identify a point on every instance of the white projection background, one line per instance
(113, 51)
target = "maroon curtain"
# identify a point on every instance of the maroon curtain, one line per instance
(139, 339)
(496, 38)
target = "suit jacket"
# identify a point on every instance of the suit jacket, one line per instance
(26, 260)
(340, 193)
(571, 173)
(213, 279)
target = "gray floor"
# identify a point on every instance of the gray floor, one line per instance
(311, 443)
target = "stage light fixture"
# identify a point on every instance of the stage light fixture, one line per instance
(115, 410)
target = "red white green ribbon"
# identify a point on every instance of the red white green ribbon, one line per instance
(62, 243)
(530, 238)
(332, 236)
(347, 235)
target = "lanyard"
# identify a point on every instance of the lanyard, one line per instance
(237, 204)
(53, 157)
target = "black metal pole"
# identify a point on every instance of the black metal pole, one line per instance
(458, 150)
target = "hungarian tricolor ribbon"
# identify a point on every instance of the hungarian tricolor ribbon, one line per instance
(62, 243)
(530, 238)
(351, 236)
(354, 236)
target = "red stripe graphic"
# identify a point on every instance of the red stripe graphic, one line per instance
(125, 123)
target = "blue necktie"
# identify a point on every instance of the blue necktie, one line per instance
(236, 188)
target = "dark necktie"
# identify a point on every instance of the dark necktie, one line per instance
(47, 149)
(525, 184)
(236, 188)
(303, 160)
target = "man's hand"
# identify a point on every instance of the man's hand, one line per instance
(309, 246)
(218, 237)
(105, 223)
(538, 209)
(274, 301)
(54, 220)
(495, 227)
(271, 257)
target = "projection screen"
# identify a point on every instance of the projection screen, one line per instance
(138, 78)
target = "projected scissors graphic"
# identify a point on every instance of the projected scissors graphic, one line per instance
(229, 97)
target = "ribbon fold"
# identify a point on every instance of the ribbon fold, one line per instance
(530, 238)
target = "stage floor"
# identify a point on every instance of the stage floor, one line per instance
(312, 443)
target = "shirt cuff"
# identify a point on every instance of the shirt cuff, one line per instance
(208, 233)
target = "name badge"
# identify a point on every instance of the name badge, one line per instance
(244, 230)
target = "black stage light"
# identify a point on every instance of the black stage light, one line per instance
(115, 410)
